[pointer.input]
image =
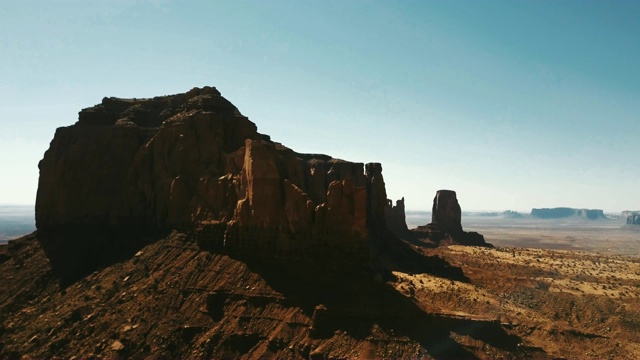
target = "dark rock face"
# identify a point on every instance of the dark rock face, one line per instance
(395, 217)
(193, 162)
(446, 223)
(446, 213)
(633, 219)
(564, 212)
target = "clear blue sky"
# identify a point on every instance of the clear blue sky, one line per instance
(513, 104)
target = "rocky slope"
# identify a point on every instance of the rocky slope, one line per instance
(171, 299)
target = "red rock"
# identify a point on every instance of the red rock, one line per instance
(193, 161)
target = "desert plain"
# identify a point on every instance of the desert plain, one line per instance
(569, 286)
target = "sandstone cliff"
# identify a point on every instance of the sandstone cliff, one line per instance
(395, 217)
(193, 162)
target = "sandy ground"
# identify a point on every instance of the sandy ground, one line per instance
(574, 304)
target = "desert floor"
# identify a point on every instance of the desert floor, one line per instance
(600, 236)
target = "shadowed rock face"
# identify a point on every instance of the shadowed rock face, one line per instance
(446, 223)
(446, 211)
(633, 219)
(395, 217)
(193, 162)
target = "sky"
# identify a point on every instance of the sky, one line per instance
(512, 104)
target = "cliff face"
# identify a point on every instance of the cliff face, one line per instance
(193, 162)
(564, 212)
(395, 217)
(633, 219)
(446, 212)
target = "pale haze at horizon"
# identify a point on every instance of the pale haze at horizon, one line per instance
(512, 104)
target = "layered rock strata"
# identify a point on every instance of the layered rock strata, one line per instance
(193, 162)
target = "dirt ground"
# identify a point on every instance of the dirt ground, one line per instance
(602, 236)
(605, 236)
(572, 304)
(576, 299)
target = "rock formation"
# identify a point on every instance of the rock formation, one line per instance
(564, 212)
(633, 219)
(193, 162)
(446, 223)
(395, 217)
(446, 213)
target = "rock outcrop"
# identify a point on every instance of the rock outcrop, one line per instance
(564, 212)
(193, 162)
(395, 217)
(633, 219)
(446, 213)
(446, 223)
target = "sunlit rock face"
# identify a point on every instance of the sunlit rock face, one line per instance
(193, 162)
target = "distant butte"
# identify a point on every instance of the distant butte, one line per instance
(445, 227)
(565, 212)
(632, 219)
